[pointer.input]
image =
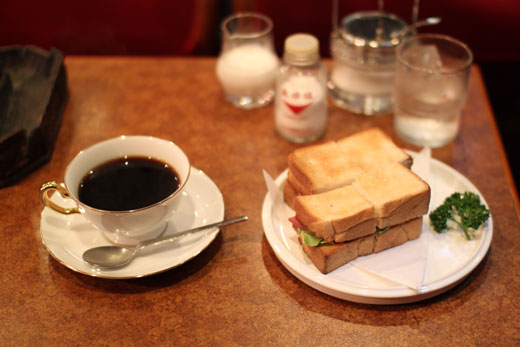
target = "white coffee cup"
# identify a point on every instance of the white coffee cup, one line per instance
(122, 227)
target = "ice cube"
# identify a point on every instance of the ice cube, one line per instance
(424, 56)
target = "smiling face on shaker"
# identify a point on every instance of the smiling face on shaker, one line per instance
(296, 99)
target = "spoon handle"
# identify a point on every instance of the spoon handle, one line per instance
(415, 25)
(167, 238)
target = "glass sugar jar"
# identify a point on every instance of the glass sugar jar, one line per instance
(363, 53)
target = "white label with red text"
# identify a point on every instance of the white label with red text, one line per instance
(300, 108)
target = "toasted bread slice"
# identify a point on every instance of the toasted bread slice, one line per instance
(319, 168)
(323, 167)
(329, 257)
(295, 183)
(314, 212)
(289, 194)
(372, 148)
(396, 193)
(361, 229)
(341, 211)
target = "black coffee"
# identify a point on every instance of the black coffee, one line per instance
(127, 184)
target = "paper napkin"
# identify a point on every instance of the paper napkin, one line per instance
(405, 264)
(274, 191)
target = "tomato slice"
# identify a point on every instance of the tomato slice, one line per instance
(296, 223)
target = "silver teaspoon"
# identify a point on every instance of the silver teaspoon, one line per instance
(427, 21)
(116, 256)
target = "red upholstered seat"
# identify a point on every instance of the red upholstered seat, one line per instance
(157, 27)
(145, 27)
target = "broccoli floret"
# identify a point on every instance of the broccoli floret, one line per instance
(470, 211)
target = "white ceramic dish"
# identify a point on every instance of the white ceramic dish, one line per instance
(450, 257)
(67, 237)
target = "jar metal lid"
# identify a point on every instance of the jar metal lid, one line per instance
(372, 29)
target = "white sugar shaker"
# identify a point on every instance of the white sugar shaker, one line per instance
(300, 110)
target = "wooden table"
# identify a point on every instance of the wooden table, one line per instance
(236, 292)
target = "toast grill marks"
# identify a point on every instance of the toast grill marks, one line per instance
(327, 166)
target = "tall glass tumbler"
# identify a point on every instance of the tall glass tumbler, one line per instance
(431, 85)
(247, 64)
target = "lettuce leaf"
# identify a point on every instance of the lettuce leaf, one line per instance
(313, 241)
(380, 231)
(310, 239)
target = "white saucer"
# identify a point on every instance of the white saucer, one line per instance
(67, 237)
(450, 257)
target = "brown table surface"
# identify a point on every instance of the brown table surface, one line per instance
(236, 292)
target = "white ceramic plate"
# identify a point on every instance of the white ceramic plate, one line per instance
(67, 237)
(450, 257)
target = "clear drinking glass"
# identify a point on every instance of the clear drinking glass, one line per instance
(431, 85)
(247, 64)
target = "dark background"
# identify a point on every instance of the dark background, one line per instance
(176, 27)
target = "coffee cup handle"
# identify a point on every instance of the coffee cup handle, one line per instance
(47, 187)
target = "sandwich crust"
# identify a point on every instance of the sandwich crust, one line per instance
(313, 212)
(396, 193)
(329, 257)
(289, 194)
(295, 183)
(362, 229)
(327, 212)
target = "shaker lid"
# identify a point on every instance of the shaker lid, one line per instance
(301, 44)
(373, 29)
(301, 48)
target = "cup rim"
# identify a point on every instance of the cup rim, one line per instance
(266, 31)
(442, 37)
(122, 137)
